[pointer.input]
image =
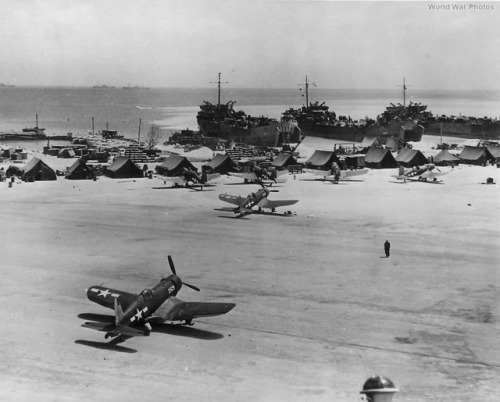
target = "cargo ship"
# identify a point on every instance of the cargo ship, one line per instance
(316, 120)
(222, 121)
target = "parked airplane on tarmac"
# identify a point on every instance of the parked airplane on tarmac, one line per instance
(257, 199)
(190, 179)
(336, 175)
(425, 174)
(260, 175)
(135, 313)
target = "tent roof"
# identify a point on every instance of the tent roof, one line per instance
(494, 151)
(445, 156)
(176, 161)
(31, 164)
(321, 158)
(369, 141)
(75, 166)
(283, 159)
(473, 153)
(219, 160)
(376, 155)
(407, 155)
(119, 162)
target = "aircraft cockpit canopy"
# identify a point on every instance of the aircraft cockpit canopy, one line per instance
(147, 294)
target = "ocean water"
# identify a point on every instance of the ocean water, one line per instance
(63, 110)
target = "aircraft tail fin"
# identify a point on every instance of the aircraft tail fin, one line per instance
(118, 312)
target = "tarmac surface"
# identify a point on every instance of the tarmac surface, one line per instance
(319, 307)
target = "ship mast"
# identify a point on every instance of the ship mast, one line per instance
(306, 85)
(404, 91)
(218, 87)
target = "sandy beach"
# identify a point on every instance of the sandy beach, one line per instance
(319, 307)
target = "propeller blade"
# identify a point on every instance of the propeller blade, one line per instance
(171, 263)
(191, 286)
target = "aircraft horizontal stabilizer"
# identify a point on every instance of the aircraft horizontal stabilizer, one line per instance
(99, 326)
(113, 329)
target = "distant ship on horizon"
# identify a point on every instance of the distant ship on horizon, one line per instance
(103, 86)
(135, 87)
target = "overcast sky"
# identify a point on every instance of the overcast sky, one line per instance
(255, 43)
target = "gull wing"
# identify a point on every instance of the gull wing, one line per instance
(179, 180)
(344, 174)
(268, 204)
(232, 199)
(430, 175)
(106, 297)
(247, 176)
(177, 310)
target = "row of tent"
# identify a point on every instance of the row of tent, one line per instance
(378, 157)
(375, 157)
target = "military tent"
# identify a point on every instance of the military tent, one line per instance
(475, 155)
(66, 153)
(174, 165)
(37, 170)
(380, 158)
(123, 168)
(370, 141)
(495, 152)
(411, 157)
(220, 164)
(392, 144)
(79, 171)
(283, 160)
(322, 160)
(445, 158)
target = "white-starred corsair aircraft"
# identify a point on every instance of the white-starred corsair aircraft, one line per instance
(424, 174)
(190, 179)
(336, 175)
(257, 199)
(134, 313)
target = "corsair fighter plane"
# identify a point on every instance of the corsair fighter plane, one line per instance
(135, 313)
(424, 174)
(189, 178)
(256, 199)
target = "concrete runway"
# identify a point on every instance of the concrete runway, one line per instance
(319, 307)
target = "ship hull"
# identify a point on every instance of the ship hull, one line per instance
(22, 137)
(409, 130)
(486, 132)
(264, 135)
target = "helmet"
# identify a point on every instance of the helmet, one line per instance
(378, 384)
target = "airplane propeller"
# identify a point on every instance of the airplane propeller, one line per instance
(172, 268)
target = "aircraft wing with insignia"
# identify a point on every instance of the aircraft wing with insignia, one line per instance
(106, 296)
(232, 199)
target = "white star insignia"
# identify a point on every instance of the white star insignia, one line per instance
(104, 293)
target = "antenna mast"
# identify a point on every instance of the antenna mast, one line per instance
(307, 90)
(404, 91)
(218, 86)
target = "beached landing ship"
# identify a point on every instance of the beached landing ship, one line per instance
(222, 121)
(484, 128)
(317, 120)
